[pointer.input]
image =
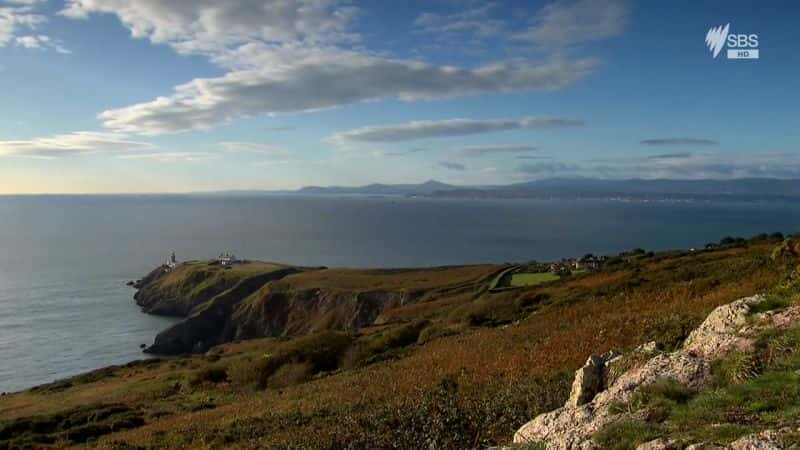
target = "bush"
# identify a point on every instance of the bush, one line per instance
(446, 416)
(773, 302)
(379, 346)
(290, 374)
(626, 435)
(212, 374)
(321, 352)
(670, 331)
(434, 332)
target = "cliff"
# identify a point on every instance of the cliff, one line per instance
(230, 303)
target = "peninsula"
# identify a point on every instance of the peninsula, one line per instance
(277, 356)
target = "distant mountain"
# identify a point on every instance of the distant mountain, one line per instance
(744, 189)
(428, 188)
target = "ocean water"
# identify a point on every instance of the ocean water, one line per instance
(64, 261)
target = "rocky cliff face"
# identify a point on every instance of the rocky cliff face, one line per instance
(233, 316)
(599, 387)
(224, 304)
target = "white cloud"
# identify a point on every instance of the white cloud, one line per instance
(475, 21)
(207, 26)
(566, 22)
(289, 56)
(690, 166)
(40, 42)
(679, 141)
(338, 79)
(15, 18)
(484, 150)
(443, 128)
(69, 144)
(249, 147)
(169, 157)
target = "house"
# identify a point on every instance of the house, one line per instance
(227, 259)
(589, 262)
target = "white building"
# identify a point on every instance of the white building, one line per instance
(227, 259)
(172, 262)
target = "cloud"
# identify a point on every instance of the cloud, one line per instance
(287, 56)
(207, 26)
(15, 18)
(325, 82)
(475, 21)
(40, 42)
(169, 157)
(249, 147)
(717, 165)
(444, 128)
(679, 141)
(534, 157)
(567, 22)
(450, 165)
(70, 144)
(671, 156)
(546, 169)
(478, 151)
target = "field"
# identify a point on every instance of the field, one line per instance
(532, 279)
(461, 368)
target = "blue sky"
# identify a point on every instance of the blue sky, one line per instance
(171, 96)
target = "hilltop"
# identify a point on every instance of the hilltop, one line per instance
(277, 356)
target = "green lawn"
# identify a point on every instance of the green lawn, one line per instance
(532, 279)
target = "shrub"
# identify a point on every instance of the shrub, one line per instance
(321, 352)
(211, 374)
(670, 331)
(290, 374)
(773, 302)
(626, 434)
(434, 332)
(378, 346)
(446, 416)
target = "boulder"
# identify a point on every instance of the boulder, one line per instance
(590, 379)
(717, 336)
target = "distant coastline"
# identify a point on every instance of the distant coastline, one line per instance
(630, 190)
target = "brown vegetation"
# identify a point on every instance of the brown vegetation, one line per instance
(459, 367)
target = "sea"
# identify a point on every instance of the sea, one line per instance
(65, 260)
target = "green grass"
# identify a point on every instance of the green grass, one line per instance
(753, 391)
(532, 279)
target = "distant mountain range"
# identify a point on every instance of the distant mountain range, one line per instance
(428, 188)
(575, 188)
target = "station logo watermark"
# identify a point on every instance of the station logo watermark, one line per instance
(739, 46)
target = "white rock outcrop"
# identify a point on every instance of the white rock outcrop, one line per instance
(589, 407)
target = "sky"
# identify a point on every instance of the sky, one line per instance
(137, 96)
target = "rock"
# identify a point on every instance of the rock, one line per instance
(142, 346)
(784, 318)
(590, 379)
(716, 336)
(130, 283)
(647, 347)
(766, 440)
(589, 407)
(658, 444)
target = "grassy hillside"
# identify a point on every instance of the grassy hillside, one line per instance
(457, 367)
